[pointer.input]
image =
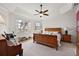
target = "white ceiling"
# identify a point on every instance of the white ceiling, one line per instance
(28, 9)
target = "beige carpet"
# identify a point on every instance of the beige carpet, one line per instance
(34, 49)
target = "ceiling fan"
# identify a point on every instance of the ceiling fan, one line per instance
(42, 12)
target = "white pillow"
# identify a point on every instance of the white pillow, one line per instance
(47, 32)
(54, 33)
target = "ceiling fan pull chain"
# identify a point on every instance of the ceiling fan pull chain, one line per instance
(41, 7)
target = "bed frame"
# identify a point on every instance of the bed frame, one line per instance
(49, 40)
(54, 30)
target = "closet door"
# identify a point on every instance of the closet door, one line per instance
(77, 22)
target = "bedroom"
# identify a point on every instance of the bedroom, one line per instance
(60, 15)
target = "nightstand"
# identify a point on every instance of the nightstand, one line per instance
(66, 38)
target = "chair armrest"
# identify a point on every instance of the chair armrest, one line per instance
(15, 47)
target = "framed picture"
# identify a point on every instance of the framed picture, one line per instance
(38, 26)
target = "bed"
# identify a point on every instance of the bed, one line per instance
(49, 40)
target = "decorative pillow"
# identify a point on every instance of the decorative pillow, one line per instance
(10, 43)
(13, 41)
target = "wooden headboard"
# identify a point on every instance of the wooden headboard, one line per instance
(53, 29)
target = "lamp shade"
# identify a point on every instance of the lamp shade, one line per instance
(65, 28)
(1, 20)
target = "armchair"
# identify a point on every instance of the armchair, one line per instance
(6, 50)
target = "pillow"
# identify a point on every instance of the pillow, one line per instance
(13, 41)
(10, 43)
(54, 33)
(46, 32)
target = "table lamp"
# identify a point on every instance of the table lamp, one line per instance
(66, 31)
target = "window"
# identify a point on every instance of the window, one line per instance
(19, 24)
(38, 26)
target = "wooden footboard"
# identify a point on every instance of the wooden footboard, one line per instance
(50, 40)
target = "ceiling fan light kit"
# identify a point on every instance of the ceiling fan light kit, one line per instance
(41, 12)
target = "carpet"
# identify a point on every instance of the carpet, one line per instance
(34, 49)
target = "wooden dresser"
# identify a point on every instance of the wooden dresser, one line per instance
(67, 38)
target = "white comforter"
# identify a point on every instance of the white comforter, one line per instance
(59, 39)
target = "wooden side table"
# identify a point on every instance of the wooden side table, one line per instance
(67, 38)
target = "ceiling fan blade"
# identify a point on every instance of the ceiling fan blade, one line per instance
(45, 11)
(46, 14)
(36, 10)
(36, 14)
